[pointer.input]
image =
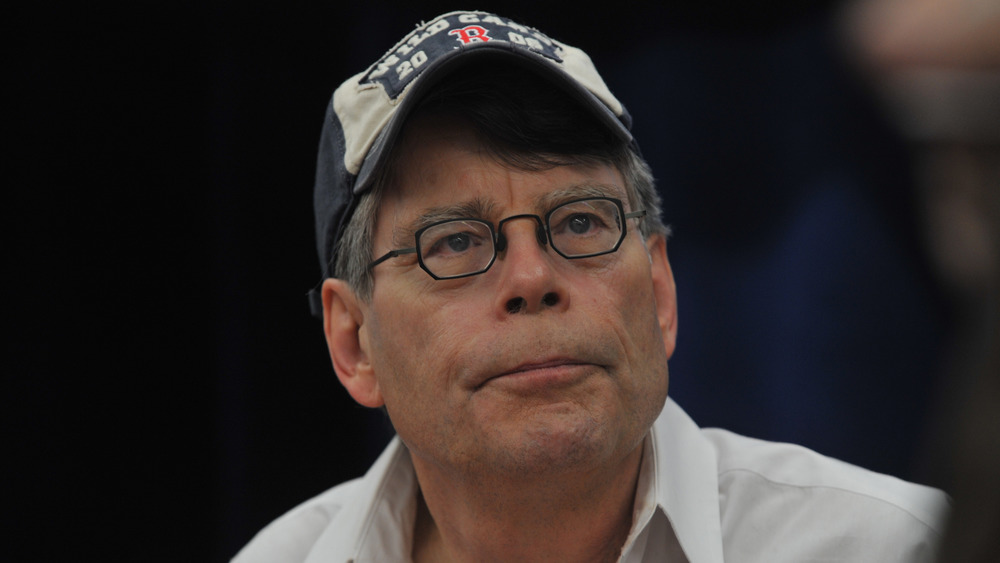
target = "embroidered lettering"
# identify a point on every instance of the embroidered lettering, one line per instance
(418, 59)
(471, 34)
(384, 66)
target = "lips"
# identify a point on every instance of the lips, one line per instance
(523, 352)
(543, 365)
(544, 372)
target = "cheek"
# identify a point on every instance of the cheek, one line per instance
(417, 345)
(634, 307)
(621, 290)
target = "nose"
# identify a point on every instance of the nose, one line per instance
(501, 243)
(529, 282)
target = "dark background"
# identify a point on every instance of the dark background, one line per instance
(169, 394)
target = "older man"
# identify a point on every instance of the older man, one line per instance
(496, 278)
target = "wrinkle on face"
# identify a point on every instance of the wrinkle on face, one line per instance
(435, 342)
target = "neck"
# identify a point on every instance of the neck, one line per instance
(584, 517)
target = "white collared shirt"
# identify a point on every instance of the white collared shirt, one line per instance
(704, 496)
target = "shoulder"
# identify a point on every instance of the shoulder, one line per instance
(360, 519)
(783, 498)
(291, 537)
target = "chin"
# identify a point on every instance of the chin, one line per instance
(571, 442)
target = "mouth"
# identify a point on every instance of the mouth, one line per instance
(542, 374)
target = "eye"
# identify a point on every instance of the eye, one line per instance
(580, 223)
(453, 239)
(459, 242)
(586, 227)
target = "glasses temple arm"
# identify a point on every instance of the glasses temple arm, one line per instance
(392, 254)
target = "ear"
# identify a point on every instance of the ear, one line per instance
(664, 290)
(343, 323)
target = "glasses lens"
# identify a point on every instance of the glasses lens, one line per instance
(456, 248)
(585, 228)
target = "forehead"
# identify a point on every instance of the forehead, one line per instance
(443, 161)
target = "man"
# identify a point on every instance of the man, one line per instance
(496, 279)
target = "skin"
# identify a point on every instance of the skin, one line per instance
(523, 394)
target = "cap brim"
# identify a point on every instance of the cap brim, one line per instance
(452, 62)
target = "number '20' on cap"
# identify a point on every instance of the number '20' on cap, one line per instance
(367, 111)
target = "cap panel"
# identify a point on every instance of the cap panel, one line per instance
(367, 102)
(363, 111)
(578, 65)
(332, 196)
(454, 31)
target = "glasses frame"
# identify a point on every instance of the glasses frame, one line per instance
(542, 232)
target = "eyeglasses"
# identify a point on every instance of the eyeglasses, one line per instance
(462, 247)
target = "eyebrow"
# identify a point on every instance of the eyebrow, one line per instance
(554, 198)
(477, 208)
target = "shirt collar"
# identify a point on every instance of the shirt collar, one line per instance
(686, 483)
(376, 522)
(678, 478)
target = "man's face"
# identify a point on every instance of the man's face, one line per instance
(540, 362)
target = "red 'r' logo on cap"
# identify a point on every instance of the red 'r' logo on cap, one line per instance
(470, 34)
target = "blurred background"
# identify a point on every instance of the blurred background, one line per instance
(831, 171)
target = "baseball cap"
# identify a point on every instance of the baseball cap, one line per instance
(367, 112)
